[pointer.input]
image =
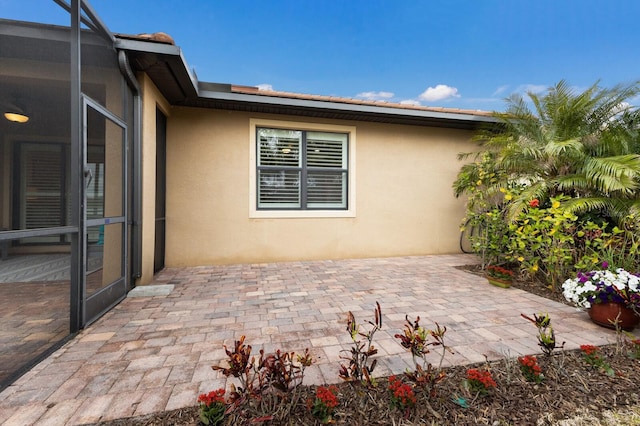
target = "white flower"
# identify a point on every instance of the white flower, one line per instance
(619, 284)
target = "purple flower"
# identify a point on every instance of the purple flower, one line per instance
(605, 265)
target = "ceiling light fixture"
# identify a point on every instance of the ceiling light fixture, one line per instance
(15, 114)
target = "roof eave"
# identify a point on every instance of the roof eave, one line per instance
(332, 109)
(167, 68)
(165, 64)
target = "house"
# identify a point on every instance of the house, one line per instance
(115, 161)
(378, 175)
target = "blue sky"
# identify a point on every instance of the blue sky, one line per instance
(450, 53)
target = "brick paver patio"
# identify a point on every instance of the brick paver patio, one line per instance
(155, 353)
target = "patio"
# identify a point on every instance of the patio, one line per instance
(154, 353)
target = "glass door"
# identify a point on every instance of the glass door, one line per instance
(105, 222)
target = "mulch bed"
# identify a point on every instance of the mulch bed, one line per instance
(535, 287)
(571, 388)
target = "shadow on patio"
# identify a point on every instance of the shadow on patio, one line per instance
(155, 353)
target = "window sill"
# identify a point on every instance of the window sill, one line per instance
(300, 214)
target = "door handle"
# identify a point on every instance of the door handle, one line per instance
(88, 176)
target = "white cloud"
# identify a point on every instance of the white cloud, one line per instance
(635, 102)
(438, 93)
(265, 86)
(410, 102)
(500, 90)
(531, 88)
(375, 96)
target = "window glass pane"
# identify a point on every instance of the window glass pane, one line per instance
(34, 81)
(279, 147)
(300, 169)
(95, 185)
(328, 190)
(101, 77)
(104, 256)
(278, 188)
(327, 150)
(105, 160)
(34, 301)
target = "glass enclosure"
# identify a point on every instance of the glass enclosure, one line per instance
(66, 126)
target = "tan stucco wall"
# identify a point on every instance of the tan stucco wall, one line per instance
(151, 99)
(404, 200)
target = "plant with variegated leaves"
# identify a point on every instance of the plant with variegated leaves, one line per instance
(359, 367)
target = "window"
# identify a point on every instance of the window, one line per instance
(42, 179)
(41, 190)
(301, 170)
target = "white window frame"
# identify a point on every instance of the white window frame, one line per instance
(297, 213)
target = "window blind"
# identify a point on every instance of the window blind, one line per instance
(42, 183)
(301, 169)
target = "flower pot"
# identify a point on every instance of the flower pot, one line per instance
(499, 282)
(605, 314)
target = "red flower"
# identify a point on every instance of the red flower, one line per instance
(216, 396)
(528, 361)
(530, 368)
(534, 203)
(402, 394)
(481, 378)
(327, 395)
(499, 272)
(589, 349)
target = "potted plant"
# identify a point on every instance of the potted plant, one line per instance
(609, 296)
(499, 276)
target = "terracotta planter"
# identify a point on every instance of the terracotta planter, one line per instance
(605, 313)
(498, 282)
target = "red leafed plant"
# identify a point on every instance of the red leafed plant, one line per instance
(362, 349)
(418, 340)
(266, 383)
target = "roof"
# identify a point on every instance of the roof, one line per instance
(290, 95)
(159, 57)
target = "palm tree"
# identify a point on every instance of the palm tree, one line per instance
(582, 145)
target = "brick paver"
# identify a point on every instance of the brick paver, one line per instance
(155, 353)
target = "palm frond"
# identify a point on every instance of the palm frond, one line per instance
(614, 174)
(583, 144)
(575, 184)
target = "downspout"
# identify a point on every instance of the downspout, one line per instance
(137, 166)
